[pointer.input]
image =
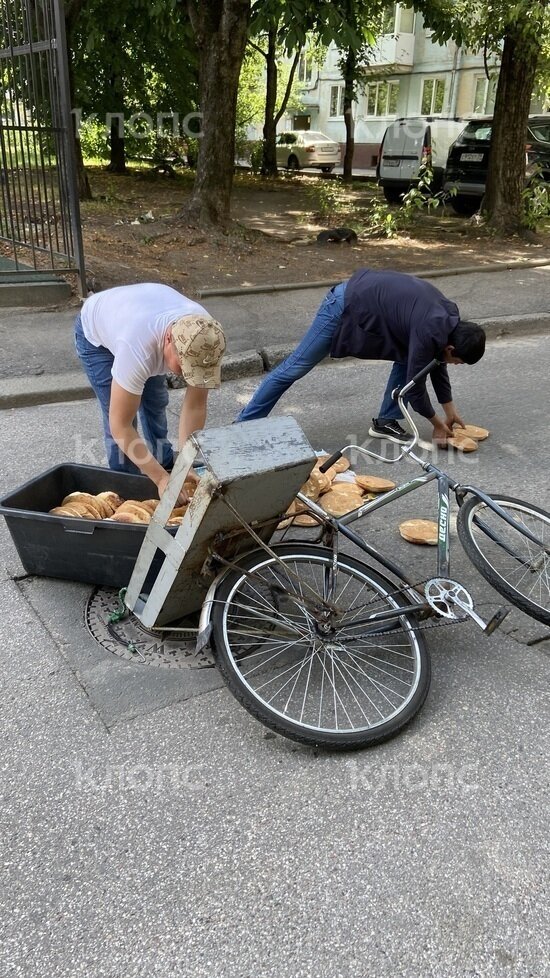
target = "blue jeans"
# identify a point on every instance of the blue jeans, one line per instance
(97, 362)
(390, 409)
(314, 347)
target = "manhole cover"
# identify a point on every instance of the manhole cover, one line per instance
(130, 640)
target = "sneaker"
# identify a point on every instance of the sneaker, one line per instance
(391, 430)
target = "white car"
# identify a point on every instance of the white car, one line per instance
(302, 148)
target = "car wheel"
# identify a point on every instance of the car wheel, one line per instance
(393, 195)
(293, 163)
(465, 206)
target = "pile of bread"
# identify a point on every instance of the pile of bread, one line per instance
(110, 506)
(466, 439)
(336, 496)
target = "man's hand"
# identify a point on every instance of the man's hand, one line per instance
(441, 431)
(183, 497)
(452, 416)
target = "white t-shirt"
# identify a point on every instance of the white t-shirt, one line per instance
(131, 321)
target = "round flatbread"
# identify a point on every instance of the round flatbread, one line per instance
(373, 483)
(474, 431)
(340, 503)
(296, 506)
(304, 519)
(462, 443)
(419, 531)
(347, 488)
(340, 466)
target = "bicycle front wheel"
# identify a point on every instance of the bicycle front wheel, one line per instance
(338, 682)
(514, 565)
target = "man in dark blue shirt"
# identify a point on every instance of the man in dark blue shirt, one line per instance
(380, 315)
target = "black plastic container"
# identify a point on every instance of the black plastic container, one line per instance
(92, 551)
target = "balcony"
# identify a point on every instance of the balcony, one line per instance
(393, 52)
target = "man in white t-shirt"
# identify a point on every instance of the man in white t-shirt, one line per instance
(127, 339)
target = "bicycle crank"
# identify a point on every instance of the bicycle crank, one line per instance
(448, 598)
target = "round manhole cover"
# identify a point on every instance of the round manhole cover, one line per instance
(130, 640)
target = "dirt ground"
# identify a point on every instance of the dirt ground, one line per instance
(131, 235)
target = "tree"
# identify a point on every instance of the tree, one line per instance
(220, 28)
(518, 33)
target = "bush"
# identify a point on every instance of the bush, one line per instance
(256, 152)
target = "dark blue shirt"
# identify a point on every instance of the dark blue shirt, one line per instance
(392, 316)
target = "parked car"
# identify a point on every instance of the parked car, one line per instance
(302, 148)
(468, 160)
(407, 145)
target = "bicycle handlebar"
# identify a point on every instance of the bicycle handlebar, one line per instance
(330, 461)
(398, 395)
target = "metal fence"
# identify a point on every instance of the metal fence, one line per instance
(39, 210)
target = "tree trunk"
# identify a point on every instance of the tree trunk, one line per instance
(269, 159)
(350, 71)
(72, 11)
(506, 175)
(117, 162)
(221, 32)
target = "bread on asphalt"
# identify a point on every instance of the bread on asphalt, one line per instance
(462, 443)
(374, 483)
(473, 431)
(340, 503)
(305, 519)
(340, 466)
(419, 531)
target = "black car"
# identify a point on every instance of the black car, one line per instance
(468, 160)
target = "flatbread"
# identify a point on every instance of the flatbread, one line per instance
(340, 466)
(340, 503)
(462, 443)
(317, 483)
(419, 531)
(304, 519)
(474, 431)
(373, 483)
(347, 488)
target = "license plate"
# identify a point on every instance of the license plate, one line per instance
(391, 162)
(471, 158)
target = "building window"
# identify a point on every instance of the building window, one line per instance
(433, 96)
(305, 68)
(398, 19)
(382, 98)
(484, 95)
(336, 101)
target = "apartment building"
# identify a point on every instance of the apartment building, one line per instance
(408, 75)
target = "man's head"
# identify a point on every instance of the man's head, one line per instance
(193, 348)
(466, 343)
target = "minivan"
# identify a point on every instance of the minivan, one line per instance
(468, 161)
(410, 143)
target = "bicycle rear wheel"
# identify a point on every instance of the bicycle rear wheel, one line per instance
(512, 563)
(342, 684)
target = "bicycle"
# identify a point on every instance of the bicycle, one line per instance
(324, 649)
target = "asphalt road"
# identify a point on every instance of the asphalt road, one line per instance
(152, 828)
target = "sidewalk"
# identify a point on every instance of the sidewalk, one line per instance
(38, 363)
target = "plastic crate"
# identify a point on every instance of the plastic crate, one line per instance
(91, 551)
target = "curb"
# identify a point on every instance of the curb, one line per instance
(16, 392)
(328, 283)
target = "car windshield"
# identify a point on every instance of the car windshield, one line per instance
(478, 131)
(540, 131)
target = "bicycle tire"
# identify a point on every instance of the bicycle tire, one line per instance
(402, 671)
(472, 542)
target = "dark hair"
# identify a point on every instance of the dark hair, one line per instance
(468, 340)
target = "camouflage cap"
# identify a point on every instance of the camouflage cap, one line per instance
(200, 345)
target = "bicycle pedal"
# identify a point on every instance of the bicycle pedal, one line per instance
(496, 621)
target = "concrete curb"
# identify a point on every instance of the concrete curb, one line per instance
(328, 283)
(35, 294)
(26, 391)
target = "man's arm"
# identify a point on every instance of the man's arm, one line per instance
(193, 413)
(123, 408)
